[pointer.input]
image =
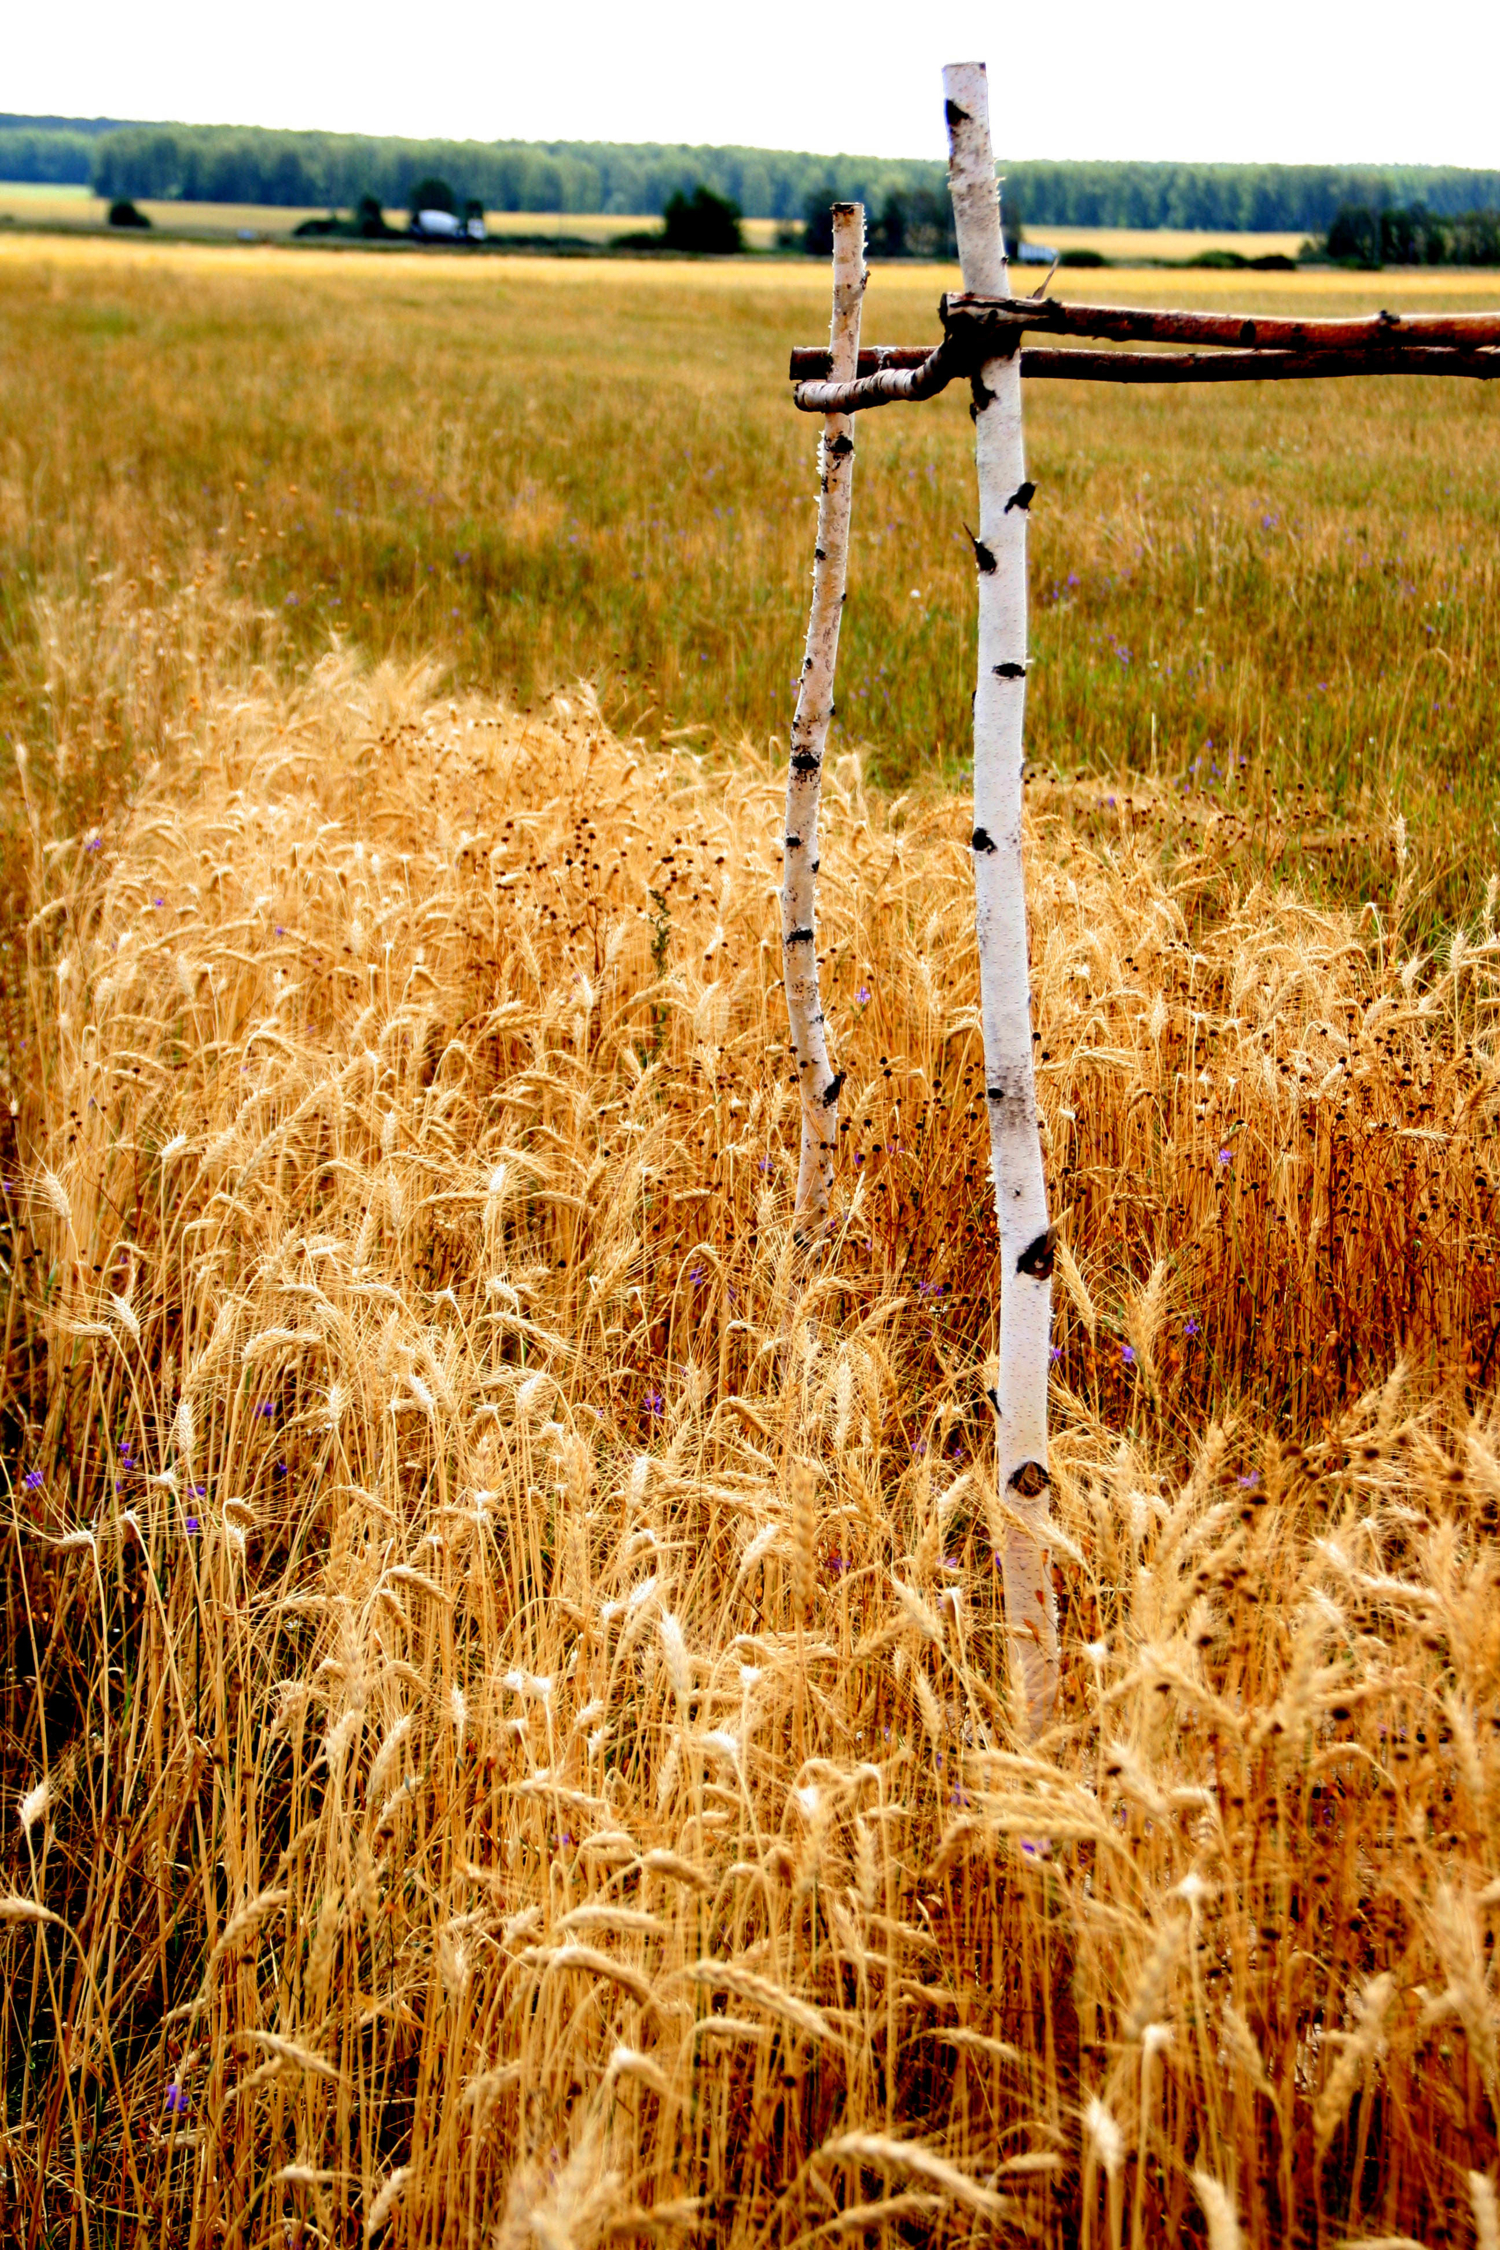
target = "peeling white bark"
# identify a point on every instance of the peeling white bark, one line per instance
(816, 1079)
(1020, 1396)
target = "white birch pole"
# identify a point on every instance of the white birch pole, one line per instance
(817, 1082)
(1020, 1395)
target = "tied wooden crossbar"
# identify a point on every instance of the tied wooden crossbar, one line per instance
(1245, 347)
(993, 340)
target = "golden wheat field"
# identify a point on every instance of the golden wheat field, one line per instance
(505, 1736)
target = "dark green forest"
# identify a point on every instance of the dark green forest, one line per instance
(245, 164)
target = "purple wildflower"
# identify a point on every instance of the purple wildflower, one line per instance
(1190, 1325)
(863, 994)
(177, 2101)
(1127, 1355)
(654, 1403)
(193, 1525)
(34, 1480)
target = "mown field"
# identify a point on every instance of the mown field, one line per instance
(505, 1737)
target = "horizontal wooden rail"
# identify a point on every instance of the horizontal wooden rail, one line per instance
(997, 319)
(1255, 367)
(909, 371)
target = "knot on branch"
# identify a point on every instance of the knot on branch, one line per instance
(1035, 1260)
(1030, 1480)
(984, 557)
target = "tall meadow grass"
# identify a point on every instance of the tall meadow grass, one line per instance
(505, 1737)
(1268, 595)
(508, 1739)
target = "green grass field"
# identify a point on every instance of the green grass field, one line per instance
(1268, 594)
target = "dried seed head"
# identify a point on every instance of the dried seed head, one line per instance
(1106, 2141)
(1218, 2210)
(35, 1805)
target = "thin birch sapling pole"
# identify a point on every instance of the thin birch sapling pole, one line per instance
(1026, 1243)
(818, 1083)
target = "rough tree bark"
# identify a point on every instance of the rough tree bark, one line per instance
(1020, 1394)
(817, 1081)
(896, 372)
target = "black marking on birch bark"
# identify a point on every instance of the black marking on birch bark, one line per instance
(1022, 497)
(820, 554)
(794, 843)
(1008, 1107)
(806, 761)
(835, 1084)
(983, 556)
(1247, 332)
(980, 396)
(982, 841)
(800, 937)
(841, 446)
(1009, 671)
(1029, 1480)
(955, 116)
(1035, 1260)
(817, 863)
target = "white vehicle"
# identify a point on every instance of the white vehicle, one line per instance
(437, 226)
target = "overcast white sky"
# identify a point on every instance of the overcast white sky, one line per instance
(1273, 80)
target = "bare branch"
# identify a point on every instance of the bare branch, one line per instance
(809, 367)
(994, 318)
(817, 1083)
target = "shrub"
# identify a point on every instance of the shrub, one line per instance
(704, 223)
(433, 194)
(123, 213)
(817, 229)
(1083, 258)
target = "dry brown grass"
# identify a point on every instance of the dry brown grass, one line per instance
(510, 1707)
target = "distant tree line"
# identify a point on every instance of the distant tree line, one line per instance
(46, 159)
(1236, 198)
(242, 164)
(1412, 235)
(249, 165)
